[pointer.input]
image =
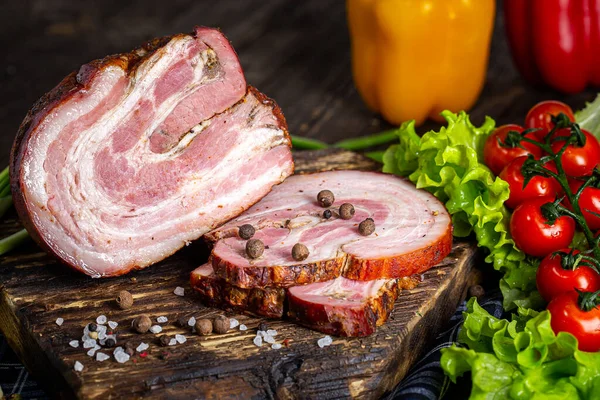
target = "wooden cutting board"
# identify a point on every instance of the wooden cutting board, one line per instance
(35, 291)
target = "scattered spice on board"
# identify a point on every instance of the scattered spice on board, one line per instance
(204, 327)
(78, 366)
(59, 321)
(233, 323)
(141, 324)
(124, 300)
(101, 320)
(156, 329)
(162, 320)
(164, 340)
(221, 324)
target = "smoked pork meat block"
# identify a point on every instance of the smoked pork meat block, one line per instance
(137, 154)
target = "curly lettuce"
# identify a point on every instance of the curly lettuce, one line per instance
(589, 117)
(521, 359)
(448, 163)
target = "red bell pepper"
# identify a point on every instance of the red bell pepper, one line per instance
(556, 42)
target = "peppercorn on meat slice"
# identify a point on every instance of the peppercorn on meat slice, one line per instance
(412, 232)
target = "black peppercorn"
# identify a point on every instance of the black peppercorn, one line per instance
(124, 299)
(129, 349)
(164, 340)
(325, 198)
(347, 211)
(327, 214)
(141, 324)
(110, 342)
(254, 248)
(246, 231)
(182, 322)
(263, 327)
(300, 252)
(92, 327)
(366, 227)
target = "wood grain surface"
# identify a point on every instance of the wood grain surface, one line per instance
(35, 291)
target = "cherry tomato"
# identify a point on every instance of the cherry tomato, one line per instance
(534, 235)
(552, 279)
(540, 115)
(496, 156)
(589, 202)
(578, 160)
(537, 186)
(566, 316)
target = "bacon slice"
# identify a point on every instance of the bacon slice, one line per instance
(413, 232)
(343, 307)
(137, 154)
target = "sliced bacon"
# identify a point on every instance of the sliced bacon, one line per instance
(137, 154)
(413, 232)
(343, 307)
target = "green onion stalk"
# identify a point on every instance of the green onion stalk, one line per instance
(14, 240)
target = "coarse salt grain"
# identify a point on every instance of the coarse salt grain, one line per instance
(243, 327)
(233, 323)
(78, 366)
(101, 328)
(101, 335)
(172, 342)
(118, 350)
(74, 343)
(89, 343)
(59, 321)
(143, 346)
(179, 291)
(260, 333)
(258, 341)
(162, 320)
(192, 321)
(112, 324)
(272, 332)
(93, 351)
(324, 341)
(180, 338)
(101, 320)
(121, 357)
(269, 339)
(102, 356)
(156, 329)
(276, 346)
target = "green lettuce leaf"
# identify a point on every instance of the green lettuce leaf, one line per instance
(448, 163)
(521, 358)
(589, 117)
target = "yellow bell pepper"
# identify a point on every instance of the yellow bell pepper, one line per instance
(412, 59)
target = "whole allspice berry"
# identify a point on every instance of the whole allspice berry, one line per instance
(124, 299)
(141, 324)
(246, 231)
(476, 291)
(325, 198)
(164, 340)
(347, 211)
(221, 324)
(366, 227)
(204, 327)
(300, 252)
(255, 248)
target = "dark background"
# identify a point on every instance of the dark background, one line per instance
(297, 52)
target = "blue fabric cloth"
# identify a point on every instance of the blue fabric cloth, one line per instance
(425, 381)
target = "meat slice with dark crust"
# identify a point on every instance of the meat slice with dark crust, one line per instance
(129, 159)
(216, 292)
(413, 232)
(343, 307)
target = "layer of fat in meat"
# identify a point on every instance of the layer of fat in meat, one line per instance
(170, 233)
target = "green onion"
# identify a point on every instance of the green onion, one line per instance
(302, 143)
(364, 142)
(14, 240)
(375, 155)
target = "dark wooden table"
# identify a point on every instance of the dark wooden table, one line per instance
(295, 52)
